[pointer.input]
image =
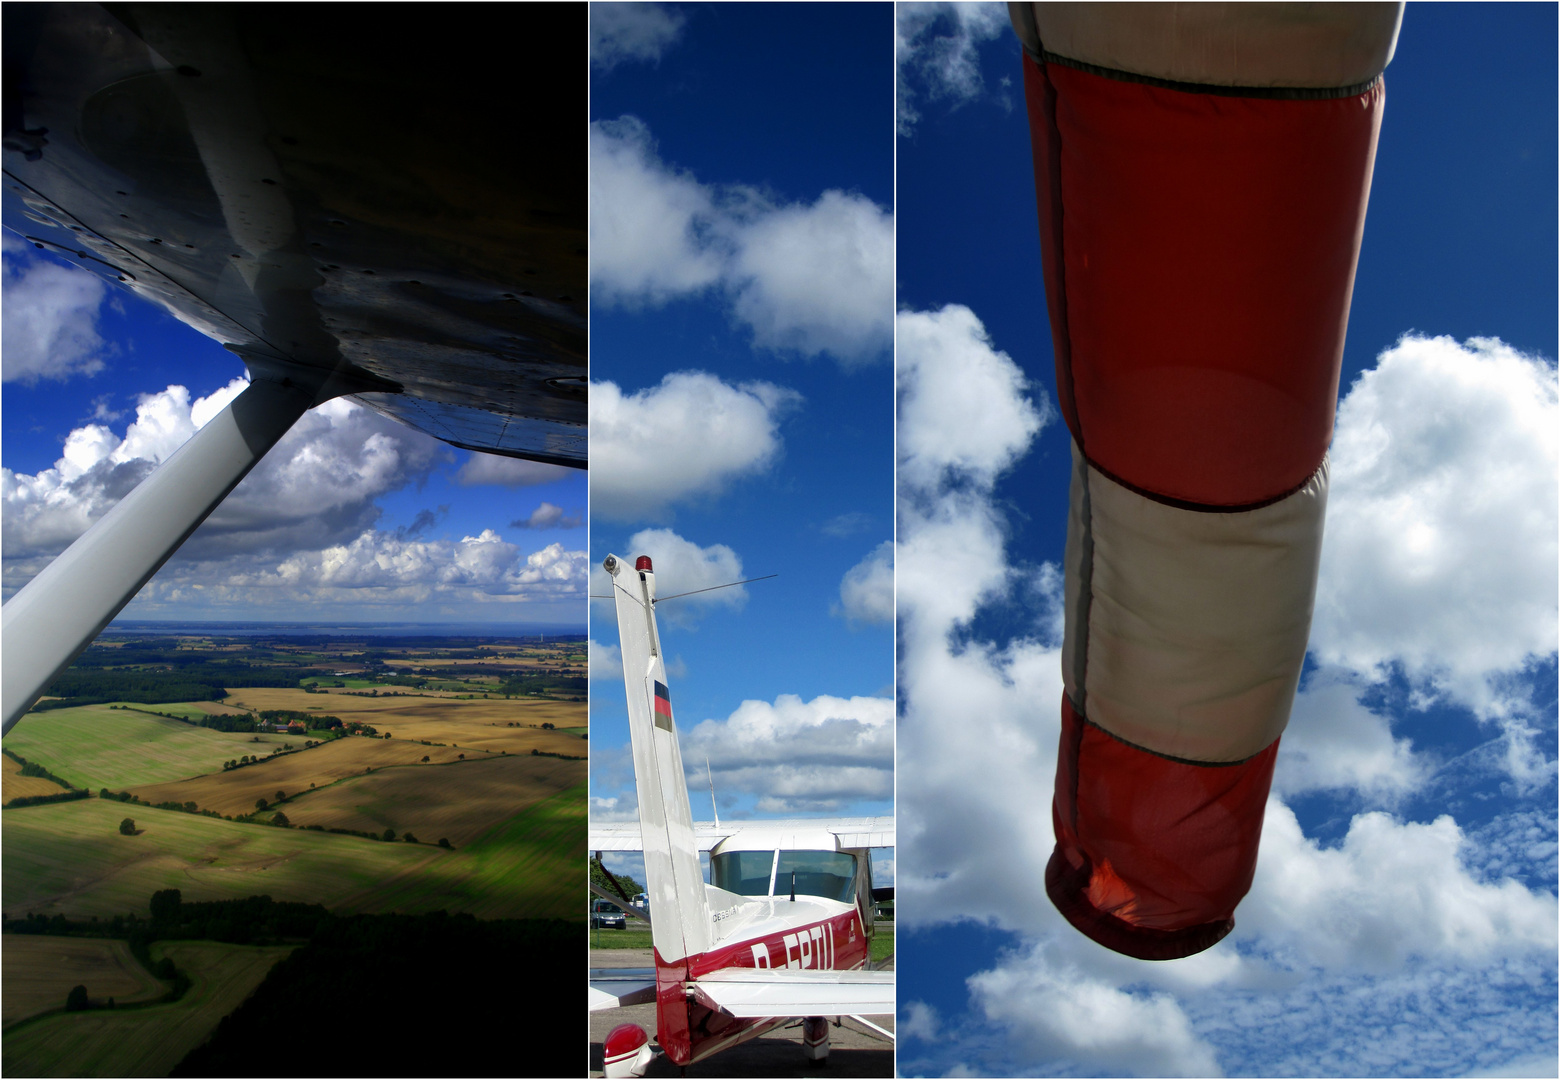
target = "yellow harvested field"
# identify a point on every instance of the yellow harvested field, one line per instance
(13, 785)
(40, 971)
(458, 802)
(235, 790)
(482, 723)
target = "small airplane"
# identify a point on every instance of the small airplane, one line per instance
(782, 930)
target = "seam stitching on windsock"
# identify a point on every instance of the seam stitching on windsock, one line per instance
(1085, 595)
(1172, 757)
(1273, 93)
(1197, 507)
(1060, 229)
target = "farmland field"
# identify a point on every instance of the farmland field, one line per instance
(40, 971)
(94, 746)
(68, 858)
(148, 1041)
(14, 785)
(526, 867)
(482, 723)
(459, 801)
(234, 792)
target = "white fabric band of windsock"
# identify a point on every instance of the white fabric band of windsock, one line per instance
(1186, 629)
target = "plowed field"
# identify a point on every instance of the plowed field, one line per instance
(40, 971)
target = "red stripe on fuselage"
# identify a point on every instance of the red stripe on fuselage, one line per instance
(689, 1031)
(663, 706)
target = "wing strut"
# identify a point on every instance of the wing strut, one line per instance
(57, 614)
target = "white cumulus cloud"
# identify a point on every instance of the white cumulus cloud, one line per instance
(623, 32)
(938, 46)
(799, 756)
(606, 662)
(50, 318)
(1441, 547)
(867, 590)
(808, 279)
(686, 438)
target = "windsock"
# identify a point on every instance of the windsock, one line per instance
(1202, 172)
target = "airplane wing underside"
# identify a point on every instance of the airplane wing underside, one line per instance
(749, 992)
(396, 196)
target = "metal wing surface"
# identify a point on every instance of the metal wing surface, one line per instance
(747, 992)
(857, 832)
(396, 194)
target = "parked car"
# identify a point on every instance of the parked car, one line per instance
(605, 915)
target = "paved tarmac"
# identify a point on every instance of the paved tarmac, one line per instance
(853, 1050)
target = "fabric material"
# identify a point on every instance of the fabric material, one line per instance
(1196, 623)
(1199, 256)
(1227, 44)
(1152, 855)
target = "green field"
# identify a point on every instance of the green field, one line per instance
(94, 746)
(69, 858)
(526, 867)
(147, 1041)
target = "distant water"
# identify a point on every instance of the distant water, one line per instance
(326, 629)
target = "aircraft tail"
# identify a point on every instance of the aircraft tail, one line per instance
(679, 909)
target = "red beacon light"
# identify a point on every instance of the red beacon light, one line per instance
(643, 563)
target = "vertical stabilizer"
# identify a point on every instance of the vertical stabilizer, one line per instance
(674, 880)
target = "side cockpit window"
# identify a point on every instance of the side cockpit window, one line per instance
(830, 874)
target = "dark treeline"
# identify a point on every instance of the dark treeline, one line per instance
(150, 686)
(255, 920)
(454, 975)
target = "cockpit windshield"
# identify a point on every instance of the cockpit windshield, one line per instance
(830, 874)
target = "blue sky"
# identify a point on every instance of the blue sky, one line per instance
(742, 393)
(366, 520)
(1403, 918)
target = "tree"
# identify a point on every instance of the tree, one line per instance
(280, 819)
(409, 838)
(444, 841)
(165, 905)
(389, 834)
(76, 1000)
(425, 758)
(280, 795)
(598, 878)
(261, 804)
(463, 757)
(127, 827)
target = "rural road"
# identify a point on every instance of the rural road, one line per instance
(854, 1051)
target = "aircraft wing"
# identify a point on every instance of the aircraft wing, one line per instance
(390, 195)
(857, 832)
(749, 992)
(613, 988)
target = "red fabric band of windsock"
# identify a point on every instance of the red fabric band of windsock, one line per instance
(1199, 246)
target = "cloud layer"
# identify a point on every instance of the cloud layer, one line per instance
(50, 318)
(622, 33)
(806, 279)
(867, 589)
(936, 47)
(299, 530)
(799, 756)
(684, 439)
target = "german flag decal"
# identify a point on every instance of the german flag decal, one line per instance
(663, 706)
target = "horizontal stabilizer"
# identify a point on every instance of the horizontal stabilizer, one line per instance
(613, 988)
(859, 832)
(745, 992)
